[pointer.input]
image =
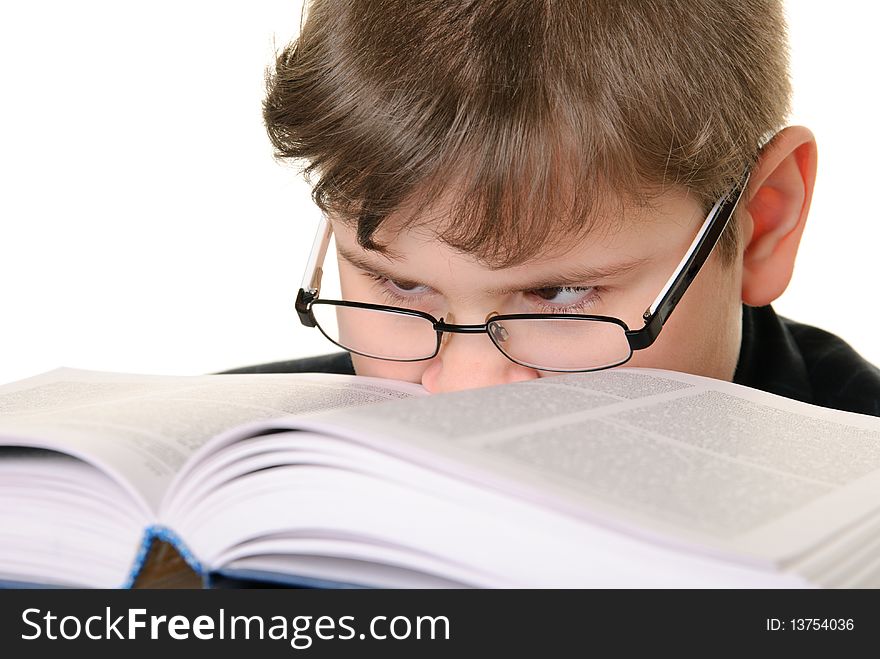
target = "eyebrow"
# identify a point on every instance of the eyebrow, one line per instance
(363, 263)
(579, 276)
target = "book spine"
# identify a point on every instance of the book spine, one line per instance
(157, 532)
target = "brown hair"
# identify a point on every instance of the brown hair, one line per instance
(526, 113)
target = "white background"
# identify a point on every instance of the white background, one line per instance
(145, 227)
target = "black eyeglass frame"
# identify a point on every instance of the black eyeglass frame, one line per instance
(655, 316)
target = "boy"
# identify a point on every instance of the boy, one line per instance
(486, 164)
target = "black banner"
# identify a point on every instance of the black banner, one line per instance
(316, 623)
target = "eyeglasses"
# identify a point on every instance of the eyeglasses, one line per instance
(548, 342)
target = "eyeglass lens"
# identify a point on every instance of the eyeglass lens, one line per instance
(563, 344)
(377, 333)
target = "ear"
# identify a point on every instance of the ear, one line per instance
(777, 202)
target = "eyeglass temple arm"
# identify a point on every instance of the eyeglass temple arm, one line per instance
(656, 315)
(311, 283)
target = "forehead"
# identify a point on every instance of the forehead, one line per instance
(617, 227)
(614, 248)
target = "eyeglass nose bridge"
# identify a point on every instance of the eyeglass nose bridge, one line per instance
(442, 327)
(496, 331)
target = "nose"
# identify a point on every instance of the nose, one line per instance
(469, 361)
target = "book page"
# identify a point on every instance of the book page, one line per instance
(692, 457)
(142, 428)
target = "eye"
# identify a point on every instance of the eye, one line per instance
(399, 293)
(564, 299)
(406, 287)
(562, 295)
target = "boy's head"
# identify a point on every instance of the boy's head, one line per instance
(501, 156)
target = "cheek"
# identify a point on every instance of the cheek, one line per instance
(702, 335)
(378, 368)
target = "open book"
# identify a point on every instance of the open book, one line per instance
(628, 477)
